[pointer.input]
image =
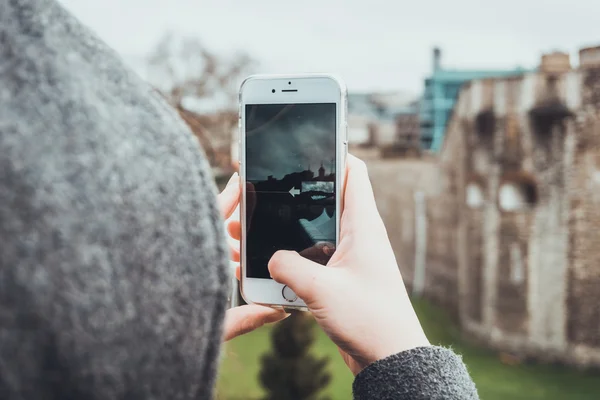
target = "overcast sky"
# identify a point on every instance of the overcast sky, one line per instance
(283, 139)
(372, 44)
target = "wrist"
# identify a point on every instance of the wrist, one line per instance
(416, 340)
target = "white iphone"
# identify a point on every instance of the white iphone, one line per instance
(293, 146)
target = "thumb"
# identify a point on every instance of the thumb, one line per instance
(303, 276)
(360, 214)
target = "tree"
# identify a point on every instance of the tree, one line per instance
(289, 371)
(202, 86)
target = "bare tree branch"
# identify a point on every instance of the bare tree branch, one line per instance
(186, 72)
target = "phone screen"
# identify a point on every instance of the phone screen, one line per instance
(290, 182)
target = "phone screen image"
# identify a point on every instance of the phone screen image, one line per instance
(290, 164)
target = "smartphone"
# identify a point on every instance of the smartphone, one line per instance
(293, 146)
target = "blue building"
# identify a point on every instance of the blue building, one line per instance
(440, 94)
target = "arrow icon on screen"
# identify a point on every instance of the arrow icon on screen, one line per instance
(294, 192)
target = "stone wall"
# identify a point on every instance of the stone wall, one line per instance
(583, 322)
(511, 239)
(528, 254)
(395, 182)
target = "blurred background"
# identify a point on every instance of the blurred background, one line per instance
(480, 124)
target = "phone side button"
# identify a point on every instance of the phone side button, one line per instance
(288, 294)
(346, 130)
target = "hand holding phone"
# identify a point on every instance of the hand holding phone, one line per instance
(295, 249)
(359, 298)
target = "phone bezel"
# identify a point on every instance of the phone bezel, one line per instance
(309, 88)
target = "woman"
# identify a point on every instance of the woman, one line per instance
(113, 272)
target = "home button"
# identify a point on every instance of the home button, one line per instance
(289, 294)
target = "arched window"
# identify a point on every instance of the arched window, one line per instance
(474, 192)
(474, 195)
(518, 192)
(485, 123)
(545, 115)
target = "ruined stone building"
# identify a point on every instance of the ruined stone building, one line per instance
(509, 240)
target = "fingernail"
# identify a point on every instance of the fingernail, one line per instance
(274, 318)
(233, 179)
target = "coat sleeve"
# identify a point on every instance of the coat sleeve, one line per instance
(421, 373)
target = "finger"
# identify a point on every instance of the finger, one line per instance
(360, 209)
(229, 198)
(234, 229)
(234, 253)
(244, 319)
(303, 276)
(359, 192)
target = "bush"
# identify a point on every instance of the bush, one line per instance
(289, 371)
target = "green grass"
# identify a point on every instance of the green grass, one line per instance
(238, 378)
(495, 380)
